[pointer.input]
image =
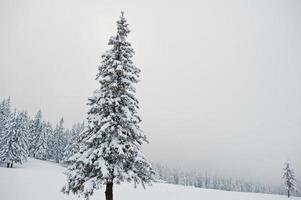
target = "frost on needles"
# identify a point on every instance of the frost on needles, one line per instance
(110, 145)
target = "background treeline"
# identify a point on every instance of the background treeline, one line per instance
(22, 136)
(204, 180)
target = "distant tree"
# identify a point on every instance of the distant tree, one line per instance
(2, 117)
(21, 143)
(49, 132)
(15, 148)
(42, 145)
(110, 145)
(290, 180)
(73, 145)
(59, 141)
(5, 123)
(37, 137)
(5, 119)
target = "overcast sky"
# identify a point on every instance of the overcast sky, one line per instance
(220, 86)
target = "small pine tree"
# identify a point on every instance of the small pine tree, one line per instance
(110, 145)
(290, 180)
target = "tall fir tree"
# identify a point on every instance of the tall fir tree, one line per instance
(2, 116)
(15, 149)
(50, 141)
(37, 136)
(5, 114)
(42, 143)
(5, 123)
(59, 141)
(289, 180)
(22, 131)
(111, 143)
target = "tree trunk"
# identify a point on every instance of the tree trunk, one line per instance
(109, 191)
(7, 165)
(11, 165)
(288, 193)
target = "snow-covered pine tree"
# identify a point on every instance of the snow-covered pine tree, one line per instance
(5, 122)
(15, 149)
(22, 131)
(5, 111)
(37, 137)
(73, 145)
(110, 145)
(59, 141)
(50, 140)
(41, 148)
(2, 117)
(290, 179)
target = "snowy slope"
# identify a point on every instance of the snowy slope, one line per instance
(42, 180)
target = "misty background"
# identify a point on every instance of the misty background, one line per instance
(220, 86)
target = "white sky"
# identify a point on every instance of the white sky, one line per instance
(220, 86)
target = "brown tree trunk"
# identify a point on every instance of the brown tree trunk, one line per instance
(109, 191)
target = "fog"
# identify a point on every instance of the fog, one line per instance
(220, 86)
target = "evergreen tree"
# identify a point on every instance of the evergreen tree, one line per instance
(73, 145)
(15, 148)
(50, 140)
(5, 114)
(2, 116)
(37, 137)
(59, 141)
(5, 123)
(22, 144)
(42, 143)
(290, 180)
(110, 145)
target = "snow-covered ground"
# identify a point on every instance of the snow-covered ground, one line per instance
(42, 180)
